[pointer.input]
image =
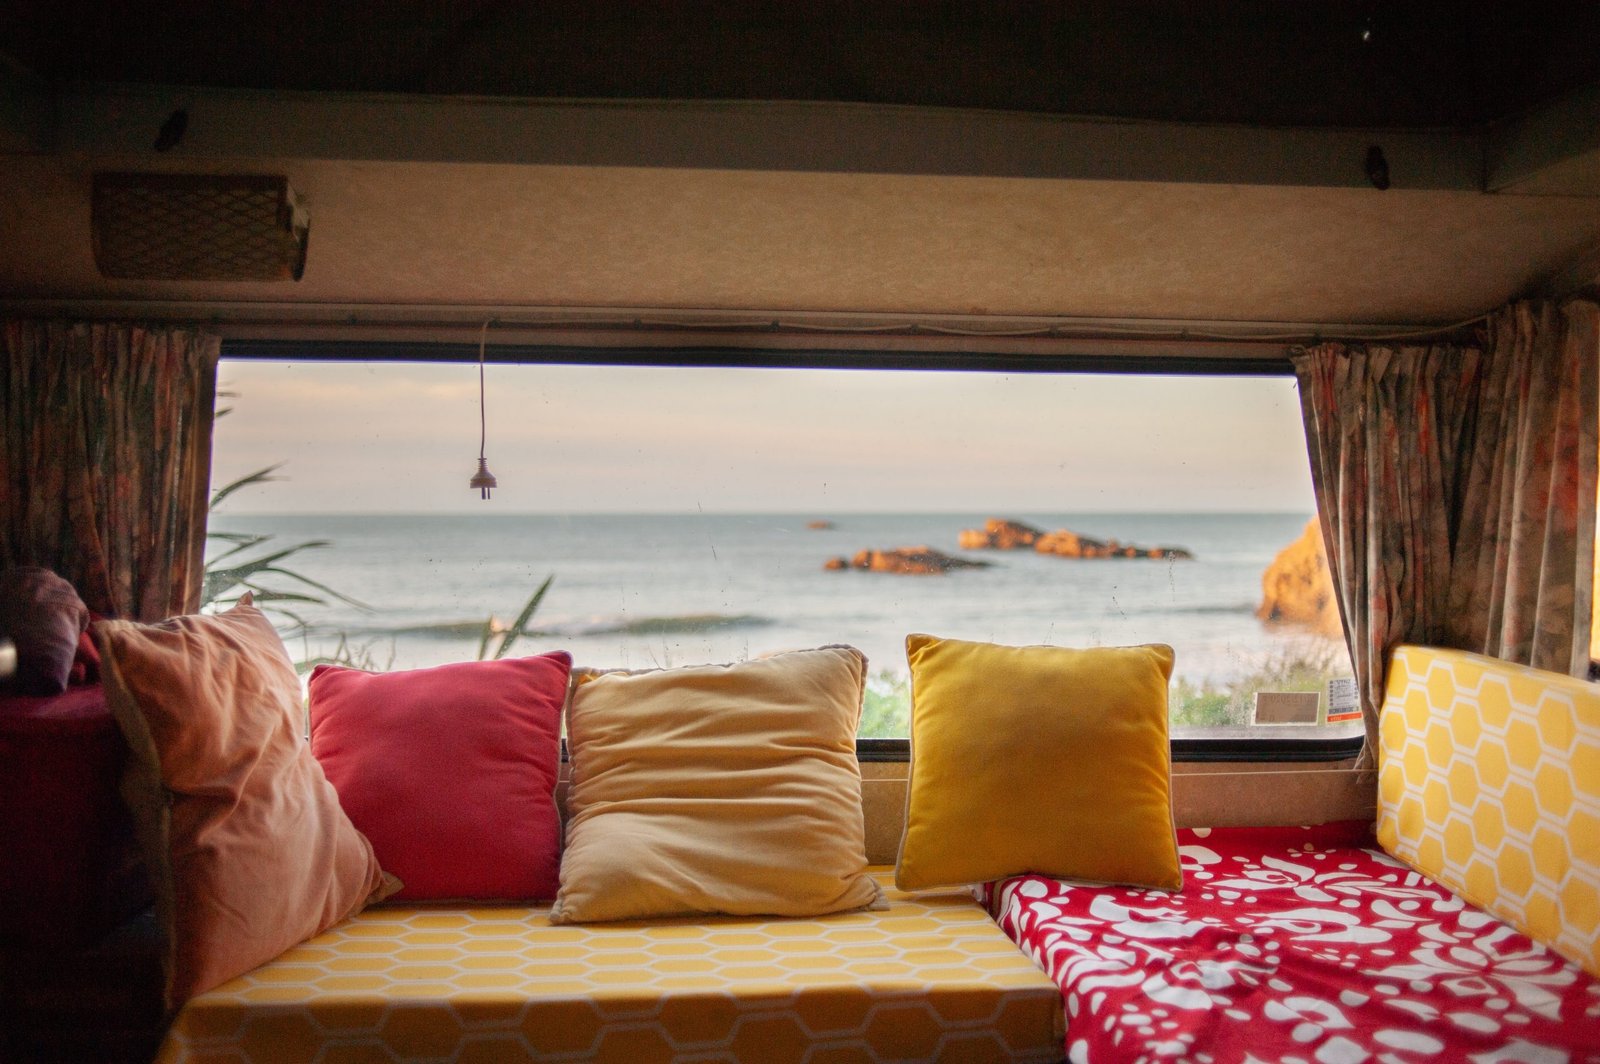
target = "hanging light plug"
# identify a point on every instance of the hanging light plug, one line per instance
(483, 480)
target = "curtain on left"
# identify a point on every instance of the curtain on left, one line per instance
(105, 460)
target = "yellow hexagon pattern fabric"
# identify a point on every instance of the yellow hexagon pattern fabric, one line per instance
(931, 978)
(1489, 783)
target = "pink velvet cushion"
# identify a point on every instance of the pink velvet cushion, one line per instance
(450, 771)
(42, 614)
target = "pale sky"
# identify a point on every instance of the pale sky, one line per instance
(403, 438)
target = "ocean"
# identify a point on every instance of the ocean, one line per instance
(661, 590)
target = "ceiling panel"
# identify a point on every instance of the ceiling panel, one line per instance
(542, 236)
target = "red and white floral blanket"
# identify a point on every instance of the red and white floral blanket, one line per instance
(1296, 944)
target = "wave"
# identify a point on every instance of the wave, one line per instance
(672, 625)
(669, 625)
(1229, 608)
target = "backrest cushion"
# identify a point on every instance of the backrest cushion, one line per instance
(1038, 759)
(248, 848)
(1489, 783)
(717, 789)
(450, 771)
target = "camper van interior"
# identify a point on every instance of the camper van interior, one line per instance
(1012, 247)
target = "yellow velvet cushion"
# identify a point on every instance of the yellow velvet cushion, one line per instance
(717, 789)
(1038, 759)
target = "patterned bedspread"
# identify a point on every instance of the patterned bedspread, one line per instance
(1296, 944)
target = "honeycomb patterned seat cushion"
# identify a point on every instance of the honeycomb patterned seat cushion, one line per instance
(929, 978)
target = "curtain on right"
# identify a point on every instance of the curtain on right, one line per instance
(1456, 489)
(1522, 585)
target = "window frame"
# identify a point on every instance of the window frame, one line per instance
(1185, 748)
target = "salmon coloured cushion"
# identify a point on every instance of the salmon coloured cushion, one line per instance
(248, 850)
(450, 771)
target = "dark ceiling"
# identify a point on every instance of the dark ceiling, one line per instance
(1433, 63)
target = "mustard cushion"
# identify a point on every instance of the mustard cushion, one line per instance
(1038, 759)
(717, 789)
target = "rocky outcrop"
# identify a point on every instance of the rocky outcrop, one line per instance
(920, 561)
(999, 534)
(1065, 543)
(1297, 587)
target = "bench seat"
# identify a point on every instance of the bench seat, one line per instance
(929, 978)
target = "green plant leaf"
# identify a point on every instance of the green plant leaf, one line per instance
(483, 641)
(515, 631)
(260, 476)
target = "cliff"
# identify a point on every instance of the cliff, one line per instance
(1297, 587)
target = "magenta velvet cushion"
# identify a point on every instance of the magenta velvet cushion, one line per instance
(450, 771)
(42, 614)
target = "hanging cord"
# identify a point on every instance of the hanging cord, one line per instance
(482, 480)
(483, 418)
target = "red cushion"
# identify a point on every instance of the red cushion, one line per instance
(69, 868)
(450, 771)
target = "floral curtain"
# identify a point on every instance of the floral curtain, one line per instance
(1384, 427)
(1524, 559)
(105, 460)
(1457, 489)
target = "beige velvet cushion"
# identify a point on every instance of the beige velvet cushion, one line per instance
(717, 789)
(249, 851)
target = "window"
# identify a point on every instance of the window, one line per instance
(692, 515)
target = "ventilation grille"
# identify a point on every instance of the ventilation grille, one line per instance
(184, 227)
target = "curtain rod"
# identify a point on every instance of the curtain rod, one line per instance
(242, 318)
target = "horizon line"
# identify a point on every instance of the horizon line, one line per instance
(810, 514)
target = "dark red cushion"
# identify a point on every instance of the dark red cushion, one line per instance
(450, 771)
(69, 866)
(44, 617)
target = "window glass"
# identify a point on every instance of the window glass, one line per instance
(686, 516)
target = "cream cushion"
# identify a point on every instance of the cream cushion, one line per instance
(717, 789)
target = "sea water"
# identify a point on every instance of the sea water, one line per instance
(659, 590)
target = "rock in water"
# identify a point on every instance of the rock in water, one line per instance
(913, 560)
(1065, 543)
(999, 534)
(1297, 588)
